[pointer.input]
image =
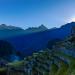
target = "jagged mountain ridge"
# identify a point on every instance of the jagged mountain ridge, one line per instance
(29, 43)
(59, 59)
(37, 29)
(12, 31)
(5, 27)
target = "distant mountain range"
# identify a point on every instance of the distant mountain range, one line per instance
(5, 27)
(35, 38)
(10, 31)
(36, 29)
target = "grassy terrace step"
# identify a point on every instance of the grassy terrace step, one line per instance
(66, 68)
(42, 60)
(71, 62)
(62, 66)
(53, 70)
(16, 64)
(3, 71)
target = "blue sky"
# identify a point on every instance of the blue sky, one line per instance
(32, 13)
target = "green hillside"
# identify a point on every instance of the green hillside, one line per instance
(60, 60)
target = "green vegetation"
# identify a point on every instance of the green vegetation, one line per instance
(54, 69)
(55, 61)
(71, 62)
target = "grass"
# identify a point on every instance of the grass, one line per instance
(2, 69)
(54, 69)
(63, 69)
(16, 64)
(71, 62)
(67, 68)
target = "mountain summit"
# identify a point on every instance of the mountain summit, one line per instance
(5, 27)
(15, 31)
(36, 29)
(42, 27)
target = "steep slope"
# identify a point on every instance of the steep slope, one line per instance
(29, 43)
(56, 61)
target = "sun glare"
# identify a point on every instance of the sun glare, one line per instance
(73, 19)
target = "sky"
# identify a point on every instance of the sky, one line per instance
(33, 13)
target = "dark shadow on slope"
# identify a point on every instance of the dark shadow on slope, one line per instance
(51, 43)
(5, 48)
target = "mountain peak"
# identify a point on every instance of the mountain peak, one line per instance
(3, 24)
(42, 27)
(6, 27)
(71, 23)
(36, 29)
